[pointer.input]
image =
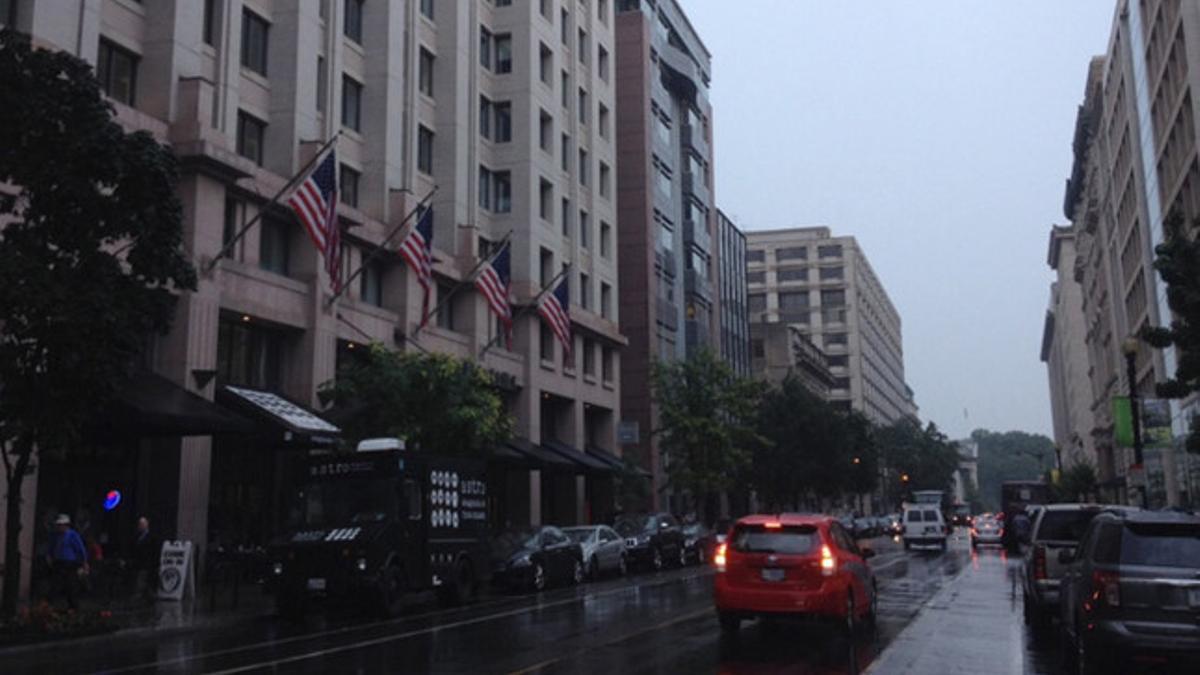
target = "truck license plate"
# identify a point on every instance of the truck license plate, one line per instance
(772, 574)
(316, 584)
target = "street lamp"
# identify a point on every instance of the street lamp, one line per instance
(1130, 349)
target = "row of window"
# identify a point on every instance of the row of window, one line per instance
(798, 274)
(759, 255)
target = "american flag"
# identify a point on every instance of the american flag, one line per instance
(493, 283)
(315, 204)
(554, 309)
(417, 251)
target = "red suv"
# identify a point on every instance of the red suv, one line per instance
(790, 564)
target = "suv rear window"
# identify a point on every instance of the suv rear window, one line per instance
(1065, 525)
(931, 516)
(912, 516)
(1161, 545)
(793, 540)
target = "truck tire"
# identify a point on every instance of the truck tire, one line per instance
(391, 592)
(459, 590)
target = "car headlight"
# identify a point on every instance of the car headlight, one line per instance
(361, 564)
(277, 569)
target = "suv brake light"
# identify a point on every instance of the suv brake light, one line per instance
(719, 558)
(1039, 562)
(1106, 589)
(828, 562)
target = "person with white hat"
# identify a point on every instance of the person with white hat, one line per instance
(68, 560)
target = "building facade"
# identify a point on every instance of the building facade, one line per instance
(1135, 162)
(507, 109)
(824, 286)
(785, 351)
(1066, 362)
(669, 299)
(731, 283)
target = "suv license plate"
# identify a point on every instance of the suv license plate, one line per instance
(316, 584)
(1194, 597)
(772, 574)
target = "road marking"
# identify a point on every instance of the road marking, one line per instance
(398, 636)
(615, 641)
(876, 568)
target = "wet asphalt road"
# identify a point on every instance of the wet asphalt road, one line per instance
(647, 623)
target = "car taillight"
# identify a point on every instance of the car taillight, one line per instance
(1106, 588)
(719, 558)
(1039, 562)
(828, 562)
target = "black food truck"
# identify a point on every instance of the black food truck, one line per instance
(370, 526)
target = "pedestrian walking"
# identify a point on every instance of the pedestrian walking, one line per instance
(144, 559)
(68, 560)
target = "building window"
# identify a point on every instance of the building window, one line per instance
(501, 121)
(793, 302)
(425, 75)
(583, 107)
(546, 66)
(545, 342)
(602, 63)
(495, 190)
(838, 360)
(250, 135)
(792, 253)
(352, 28)
(834, 298)
(565, 29)
(757, 349)
(835, 339)
(249, 355)
(546, 132)
(832, 273)
(566, 153)
(116, 69)
(503, 3)
(583, 167)
(604, 180)
(566, 90)
(605, 240)
(254, 42)
(605, 300)
(589, 357)
(348, 186)
(585, 228)
(544, 7)
(606, 368)
(602, 11)
(487, 46)
(445, 307)
(566, 217)
(486, 113)
(210, 21)
(582, 46)
(545, 266)
(370, 284)
(502, 57)
(756, 255)
(756, 277)
(794, 274)
(602, 121)
(351, 103)
(274, 246)
(424, 150)
(546, 200)
(585, 291)
(757, 302)
(830, 251)
(322, 88)
(234, 213)
(427, 9)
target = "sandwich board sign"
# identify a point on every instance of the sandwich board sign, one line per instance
(176, 571)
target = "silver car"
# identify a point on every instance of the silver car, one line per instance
(986, 530)
(603, 549)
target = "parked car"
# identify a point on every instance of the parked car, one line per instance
(1056, 528)
(651, 540)
(699, 542)
(1131, 593)
(895, 526)
(865, 528)
(924, 526)
(792, 564)
(603, 549)
(986, 530)
(534, 558)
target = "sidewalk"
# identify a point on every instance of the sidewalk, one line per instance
(973, 625)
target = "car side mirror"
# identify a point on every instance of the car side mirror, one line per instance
(867, 552)
(1066, 557)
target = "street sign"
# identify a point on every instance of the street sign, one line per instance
(628, 432)
(176, 573)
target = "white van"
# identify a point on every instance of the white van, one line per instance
(923, 525)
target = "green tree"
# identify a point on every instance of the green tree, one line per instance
(922, 454)
(90, 260)
(1177, 260)
(706, 424)
(1076, 483)
(1011, 455)
(433, 401)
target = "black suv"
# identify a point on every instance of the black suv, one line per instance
(652, 540)
(1131, 596)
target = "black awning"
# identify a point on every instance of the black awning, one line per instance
(539, 458)
(585, 461)
(149, 405)
(618, 464)
(294, 424)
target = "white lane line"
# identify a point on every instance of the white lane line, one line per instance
(398, 636)
(876, 568)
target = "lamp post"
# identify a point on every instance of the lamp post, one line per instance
(1130, 349)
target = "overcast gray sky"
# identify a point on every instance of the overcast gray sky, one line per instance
(936, 132)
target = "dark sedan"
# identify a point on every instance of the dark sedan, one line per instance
(699, 543)
(653, 540)
(534, 558)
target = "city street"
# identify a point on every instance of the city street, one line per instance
(645, 623)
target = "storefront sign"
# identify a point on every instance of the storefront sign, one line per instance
(176, 573)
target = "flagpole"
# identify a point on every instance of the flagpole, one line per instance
(378, 249)
(525, 310)
(263, 209)
(470, 278)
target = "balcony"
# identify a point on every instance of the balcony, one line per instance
(697, 234)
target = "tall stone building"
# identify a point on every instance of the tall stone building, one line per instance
(507, 108)
(1135, 162)
(1066, 362)
(824, 286)
(669, 298)
(731, 282)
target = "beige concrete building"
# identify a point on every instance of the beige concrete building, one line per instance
(1066, 362)
(505, 107)
(824, 286)
(786, 351)
(1135, 162)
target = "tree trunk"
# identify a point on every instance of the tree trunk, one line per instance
(12, 530)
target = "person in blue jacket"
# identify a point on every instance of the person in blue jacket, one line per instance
(68, 560)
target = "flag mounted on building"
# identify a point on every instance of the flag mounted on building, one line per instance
(554, 308)
(417, 251)
(315, 204)
(493, 282)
